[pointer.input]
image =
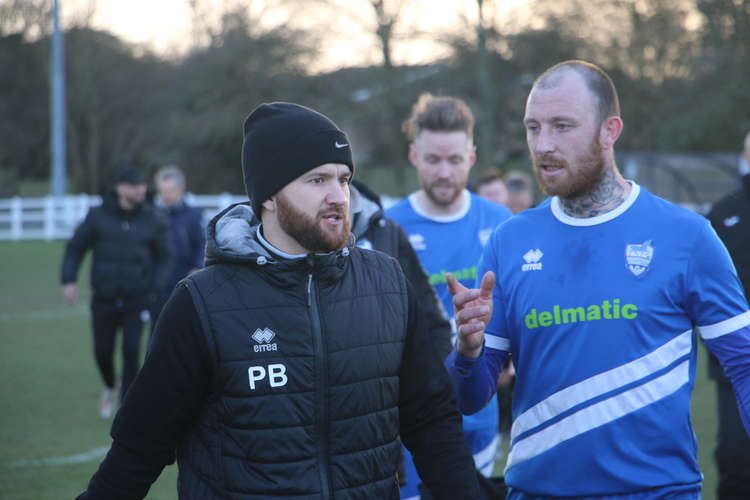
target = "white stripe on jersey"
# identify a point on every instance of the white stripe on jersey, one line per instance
(723, 327)
(495, 342)
(601, 383)
(599, 414)
(485, 459)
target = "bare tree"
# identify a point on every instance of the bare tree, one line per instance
(29, 18)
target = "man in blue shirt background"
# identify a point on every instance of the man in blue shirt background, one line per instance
(447, 227)
(597, 294)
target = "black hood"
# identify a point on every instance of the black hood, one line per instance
(365, 208)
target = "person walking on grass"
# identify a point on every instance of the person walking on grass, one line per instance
(186, 231)
(131, 253)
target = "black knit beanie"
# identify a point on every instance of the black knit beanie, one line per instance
(282, 142)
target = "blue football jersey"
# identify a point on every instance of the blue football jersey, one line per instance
(452, 244)
(449, 244)
(599, 315)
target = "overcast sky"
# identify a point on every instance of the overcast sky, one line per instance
(165, 25)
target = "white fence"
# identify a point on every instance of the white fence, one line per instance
(52, 218)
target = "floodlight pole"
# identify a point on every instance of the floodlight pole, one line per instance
(57, 99)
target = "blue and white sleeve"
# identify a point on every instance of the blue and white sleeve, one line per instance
(733, 352)
(475, 380)
(717, 306)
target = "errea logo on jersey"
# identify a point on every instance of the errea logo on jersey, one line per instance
(532, 258)
(417, 241)
(263, 340)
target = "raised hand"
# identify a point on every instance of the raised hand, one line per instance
(473, 310)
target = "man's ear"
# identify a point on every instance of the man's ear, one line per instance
(268, 205)
(610, 131)
(413, 155)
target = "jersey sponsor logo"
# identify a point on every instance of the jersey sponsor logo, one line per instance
(470, 273)
(732, 221)
(417, 241)
(484, 235)
(532, 258)
(567, 315)
(638, 257)
(263, 338)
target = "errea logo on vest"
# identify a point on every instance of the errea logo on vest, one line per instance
(263, 340)
(275, 372)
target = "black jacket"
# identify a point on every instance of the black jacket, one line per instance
(130, 251)
(188, 237)
(373, 230)
(346, 390)
(730, 218)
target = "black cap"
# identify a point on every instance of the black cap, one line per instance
(130, 175)
(283, 141)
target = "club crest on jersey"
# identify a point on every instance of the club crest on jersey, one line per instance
(638, 257)
(263, 338)
(532, 258)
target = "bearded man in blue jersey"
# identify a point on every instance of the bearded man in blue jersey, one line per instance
(447, 227)
(599, 295)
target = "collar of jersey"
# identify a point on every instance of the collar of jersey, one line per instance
(442, 218)
(560, 215)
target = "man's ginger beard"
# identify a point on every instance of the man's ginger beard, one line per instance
(589, 171)
(309, 231)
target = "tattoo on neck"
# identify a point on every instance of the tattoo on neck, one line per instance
(606, 195)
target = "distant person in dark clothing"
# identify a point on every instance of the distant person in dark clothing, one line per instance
(730, 217)
(373, 230)
(520, 191)
(491, 186)
(186, 230)
(290, 366)
(130, 256)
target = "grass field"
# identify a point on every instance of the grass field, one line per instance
(51, 437)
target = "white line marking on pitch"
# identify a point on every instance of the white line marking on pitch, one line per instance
(45, 314)
(78, 458)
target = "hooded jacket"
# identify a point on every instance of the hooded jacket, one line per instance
(730, 218)
(373, 230)
(131, 251)
(287, 378)
(188, 242)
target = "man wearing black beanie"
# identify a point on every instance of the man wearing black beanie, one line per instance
(290, 365)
